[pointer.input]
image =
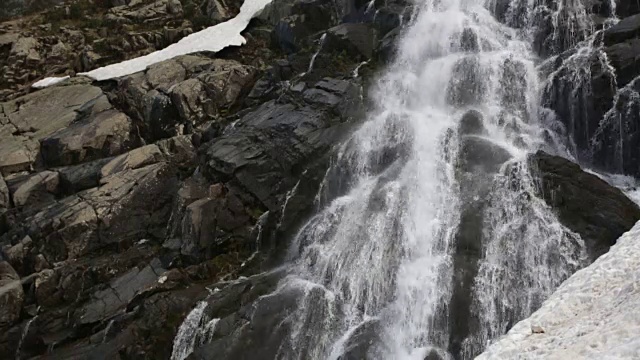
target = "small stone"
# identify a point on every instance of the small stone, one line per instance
(537, 329)
(41, 263)
(216, 191)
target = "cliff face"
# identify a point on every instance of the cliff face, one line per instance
(126, 203)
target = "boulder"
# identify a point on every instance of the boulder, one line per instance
(479, 161)
(615, 145)
(386, 47)
(357, 40)
(134, 159)
(304, 18)
(626, 29)
(272, 141)
(106, 303)
(104, 134)
(127, 206)
(80, 177)
(625, 8)
(40, 188)
(176, 96)
(11, 295)
(581, 91)
(215, 225)
(240, 300)
(27, 120)
(622, 56)
(585, 203)
(467, 86)
(5, 200)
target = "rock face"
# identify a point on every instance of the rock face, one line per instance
(585, 203)
(119, 200)
(593, 90)
(11, 295)
(36, 117)
(68, 37)
(125, 204)
(479, 161)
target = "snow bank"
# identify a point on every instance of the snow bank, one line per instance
(211, 39)
(50, 81)
(595, 314)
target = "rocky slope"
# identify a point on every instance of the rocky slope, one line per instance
(125, 203)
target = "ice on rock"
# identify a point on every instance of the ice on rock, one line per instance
(592, 315)
(212, 39)
(50, 81)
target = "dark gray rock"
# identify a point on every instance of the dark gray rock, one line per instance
(106, 303)
(11, 295)
(104, 134)
(627, 29)
(471, 123)
(623, 57)
(31, 118)
(270, 144)
(466, 87)
(625, 8)
(213, 225)
(305, 18)
(580, 105)
(480, 160)
(5, 200)
(240, 301)
(357, 40)
(586, 204)
(363, 339)
(38, 189)
(615, 145)
(176, 96)
(386, 48)
(81, 177)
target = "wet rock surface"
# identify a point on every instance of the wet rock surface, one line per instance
(585, 203)
(125, 203)
(122, 201)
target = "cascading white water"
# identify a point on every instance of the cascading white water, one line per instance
(381, 254)
(196, 329)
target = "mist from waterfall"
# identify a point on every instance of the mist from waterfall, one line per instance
(380, 256)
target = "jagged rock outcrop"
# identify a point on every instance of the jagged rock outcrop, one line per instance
(67, 37)
(593, 91)
(176, 96)
(125, 203)
(35, 117)
(585, 203)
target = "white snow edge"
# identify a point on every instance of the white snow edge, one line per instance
(593, 315)
(50, 81)
(212, 39)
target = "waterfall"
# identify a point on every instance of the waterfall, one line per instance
(196, 329)
(431, 240)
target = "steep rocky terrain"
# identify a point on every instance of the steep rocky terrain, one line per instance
(126, 203)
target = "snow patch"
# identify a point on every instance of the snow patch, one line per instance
(592, 315)
(212, 39)
(50, 81)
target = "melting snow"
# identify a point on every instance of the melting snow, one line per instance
(592, 315)
(50, 81)
(212, 39)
